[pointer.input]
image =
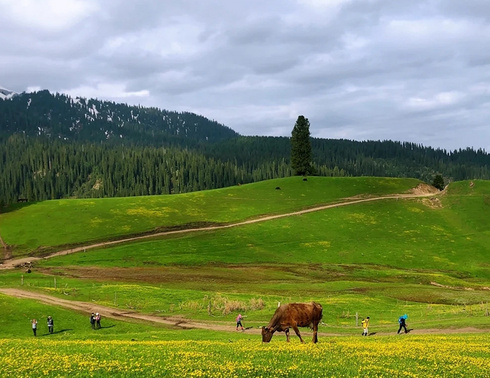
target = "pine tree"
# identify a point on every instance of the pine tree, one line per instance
(301, 147)
(438, 182)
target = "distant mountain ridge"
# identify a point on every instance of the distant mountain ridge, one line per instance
(6, 94)
(90, 120)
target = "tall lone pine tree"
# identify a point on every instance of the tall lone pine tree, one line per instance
(301, 147)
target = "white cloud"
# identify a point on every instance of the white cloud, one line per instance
(442, 99)
(324, 3)
(106, 91)
(47, 15)
(33, 89)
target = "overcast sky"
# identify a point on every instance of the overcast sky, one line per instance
(416, 71)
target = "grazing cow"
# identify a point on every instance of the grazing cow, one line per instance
(294, 315)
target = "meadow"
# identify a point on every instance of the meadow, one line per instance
(427, 257)
(436, 356)
(35, 227)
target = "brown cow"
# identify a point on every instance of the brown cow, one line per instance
(294, 315)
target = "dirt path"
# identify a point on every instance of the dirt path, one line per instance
(182, 323)
(417, 193)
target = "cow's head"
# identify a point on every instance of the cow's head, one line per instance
(267, 334)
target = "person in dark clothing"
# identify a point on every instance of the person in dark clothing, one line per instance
(50, 324)
(402, 321)
(92, 320)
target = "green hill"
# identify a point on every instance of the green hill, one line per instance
(427, 256)
(49, 225)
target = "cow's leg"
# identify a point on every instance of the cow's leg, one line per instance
(315, 333)
(295, 327)
(287, 334)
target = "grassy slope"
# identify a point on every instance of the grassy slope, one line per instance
(376, 258)
(38, 225)
(415, 234)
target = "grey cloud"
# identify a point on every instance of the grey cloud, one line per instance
(379, 69)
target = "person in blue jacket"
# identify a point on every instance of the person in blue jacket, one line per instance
(402, 321)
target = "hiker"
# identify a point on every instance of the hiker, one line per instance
(50, 324)
(239, 322)
(365, 325)
(402, 321)
(92, 320)
(34, 326)
(97, 320)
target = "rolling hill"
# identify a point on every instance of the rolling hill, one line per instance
(393, 250)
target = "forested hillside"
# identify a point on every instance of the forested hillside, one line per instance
(58, 116)
(54, 146)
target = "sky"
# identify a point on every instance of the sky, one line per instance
(410, 71)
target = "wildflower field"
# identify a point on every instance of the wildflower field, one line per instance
(397, 356)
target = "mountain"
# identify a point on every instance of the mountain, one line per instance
(58, 116)
(5, 94)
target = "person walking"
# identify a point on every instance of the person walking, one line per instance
(365, 325)
(50, 324)
(97, 320)
(92, 320)
(402, 321)
(239, 322)
(34, 326)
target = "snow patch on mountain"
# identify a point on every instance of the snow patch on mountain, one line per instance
(6, 94)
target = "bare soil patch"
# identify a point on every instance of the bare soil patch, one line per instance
(424, 189)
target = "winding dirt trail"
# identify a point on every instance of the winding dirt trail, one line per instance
(416, 193)
(182, 323)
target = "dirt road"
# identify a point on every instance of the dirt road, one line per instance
(417, 193)
(182, 323)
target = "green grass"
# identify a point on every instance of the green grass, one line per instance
(428, 306)
(409, 241)
(37, 226)
(17, 314)
(394, 251)
(428, 258)
(405, 234)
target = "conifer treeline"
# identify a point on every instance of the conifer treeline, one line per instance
(40, 168)
(334, 157)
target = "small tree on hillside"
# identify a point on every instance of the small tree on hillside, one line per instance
(301, 147)
(438, 182)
